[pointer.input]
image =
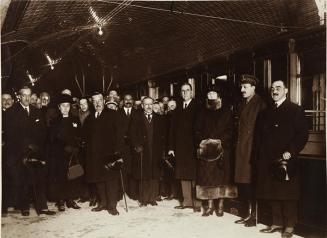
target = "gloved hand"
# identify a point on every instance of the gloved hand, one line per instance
(116, 165)
(138, 148)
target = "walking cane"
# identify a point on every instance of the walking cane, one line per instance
(123, 187)
(256, 213)
(141, 187)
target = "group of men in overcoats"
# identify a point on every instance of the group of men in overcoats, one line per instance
(270, 137)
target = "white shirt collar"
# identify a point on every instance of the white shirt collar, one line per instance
(28, 107)
(126, 109)
(187, 102)
(280, 101)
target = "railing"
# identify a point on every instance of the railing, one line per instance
(316, 120)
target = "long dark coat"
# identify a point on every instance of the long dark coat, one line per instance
(246, 125)
(214, 124)
(182, 141)
(123, 138)
(280, 130)
(153, 147)
(65, 133)
(22, 130)
(101, 145)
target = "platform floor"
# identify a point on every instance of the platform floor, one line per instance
(155, 222)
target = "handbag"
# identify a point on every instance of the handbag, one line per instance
(74, 171)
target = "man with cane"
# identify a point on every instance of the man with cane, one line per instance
(148, 140)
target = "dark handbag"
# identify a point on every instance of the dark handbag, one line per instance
(74, 171)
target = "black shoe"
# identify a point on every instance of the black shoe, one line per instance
(98, 209)
(287, 234)
(113, 212)
(250, 222)
(93, 202)
(207, 212)
(25, 213)
(241, 221)
(179, 207)
(72, 204)
(143, 204)
(61, 206)
(154, 203)
(47, 212)
(271, 230)
(219, 212)
(197, 209)
(159, 199)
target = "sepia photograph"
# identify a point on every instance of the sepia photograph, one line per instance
(163, 119)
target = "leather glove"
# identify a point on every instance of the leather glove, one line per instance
(138, 148)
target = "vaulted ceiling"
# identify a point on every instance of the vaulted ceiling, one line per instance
(141, 39)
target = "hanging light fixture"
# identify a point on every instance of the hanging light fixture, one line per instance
(31, 78)
(100, 32)
(51, 62)
(98, 22)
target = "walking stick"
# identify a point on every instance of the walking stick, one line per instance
(256, 213)
(141, 187)
(122, 184)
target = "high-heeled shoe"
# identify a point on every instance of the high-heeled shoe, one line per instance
(219, 212)
(208, 212)
(72, 204)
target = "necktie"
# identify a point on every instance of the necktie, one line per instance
(149, 117)
(185, 105)
(97, 115)
(128, 112)
(275, 105)
(26, 110)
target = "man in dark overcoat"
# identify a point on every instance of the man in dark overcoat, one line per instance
(124, 116)
(25, 138)
(182, 146)
(8, 199)
(248, 111)
(283, 133)
(101, 145)
(148, 141)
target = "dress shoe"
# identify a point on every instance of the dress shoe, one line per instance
(219, 212)
(93, 202)
(72, 204)
(154, 203)
(242, 220)
(287, 234)
(98, 209)
(207, 212)
(113, 212)
(25, 213)
(47, 212)
(197, 209)
(270, 229)
(179, 207)
(61, 206)
(250, 222)
(159, 199)
(143, 204)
